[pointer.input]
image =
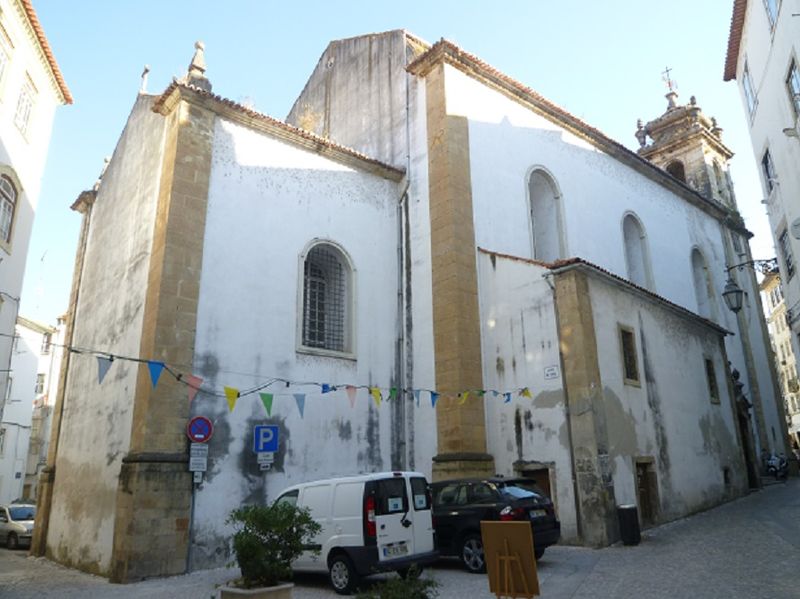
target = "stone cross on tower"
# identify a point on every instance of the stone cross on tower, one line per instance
(672, 85)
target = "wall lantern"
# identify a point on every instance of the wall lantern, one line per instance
(733, 294)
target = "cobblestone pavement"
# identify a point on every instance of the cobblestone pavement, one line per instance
(747, 548)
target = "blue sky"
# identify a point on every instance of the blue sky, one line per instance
(602, 61)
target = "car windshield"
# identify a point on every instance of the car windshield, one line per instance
(515, 492)
(24, 512)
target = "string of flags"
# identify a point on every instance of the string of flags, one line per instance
(232, 395)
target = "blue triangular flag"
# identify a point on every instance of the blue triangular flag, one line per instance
(326, 388)
(434, 397)
(300, 398)
(103, 364)
(155, 371)
(507, 397)
(416, 396)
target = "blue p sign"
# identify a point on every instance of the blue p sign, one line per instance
(265, 438)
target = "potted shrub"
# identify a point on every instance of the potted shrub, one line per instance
(267, 540)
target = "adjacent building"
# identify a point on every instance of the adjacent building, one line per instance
(764, 59)
(781, 336)
(427, 266)
(25, 425)
(31, 88)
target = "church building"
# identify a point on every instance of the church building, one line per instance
(427, 266)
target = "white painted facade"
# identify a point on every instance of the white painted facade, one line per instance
(25, 71)
(767, 50)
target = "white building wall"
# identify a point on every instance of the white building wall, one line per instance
(22, 158)
(96, 420)
(519, 344)
(268, 201)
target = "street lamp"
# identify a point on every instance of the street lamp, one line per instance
(733, 294)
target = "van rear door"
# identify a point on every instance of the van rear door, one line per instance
(393, 520)
(422, 516)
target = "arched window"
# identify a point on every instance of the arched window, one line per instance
(637, 258)
(545, 209)
(675, 168)
(327, 283)
(8, 204)
(703, 287)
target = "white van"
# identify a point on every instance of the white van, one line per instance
(370, 523)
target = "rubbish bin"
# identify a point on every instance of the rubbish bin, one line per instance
(629, 524)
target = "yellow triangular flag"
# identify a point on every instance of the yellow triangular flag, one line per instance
(526, 392)
(376, 395)
(232, 395)
(463, 398)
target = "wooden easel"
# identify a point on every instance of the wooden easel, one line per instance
(505, 563)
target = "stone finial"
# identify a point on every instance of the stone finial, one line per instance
(693, 101)
(641, 133)
(143, 87)
(106, 162)
(671, 97)
(715, 128)
(196, 75)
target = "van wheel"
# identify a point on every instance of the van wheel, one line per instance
(12, 542)
(538, 552)
(472, 554)
(411, 573)
(343, 576)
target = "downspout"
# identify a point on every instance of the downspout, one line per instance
(547, 277)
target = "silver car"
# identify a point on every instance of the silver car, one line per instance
(16, 524)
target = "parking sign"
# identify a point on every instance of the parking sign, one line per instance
(265, 438)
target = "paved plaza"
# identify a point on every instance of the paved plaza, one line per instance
(747, 548)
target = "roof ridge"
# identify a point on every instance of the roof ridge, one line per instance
(48, 52)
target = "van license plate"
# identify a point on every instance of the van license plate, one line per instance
(397, 550)
(538, 513)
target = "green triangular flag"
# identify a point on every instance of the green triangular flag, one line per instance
(267, 399)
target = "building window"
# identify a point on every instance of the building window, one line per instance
(703, 287)
(39, 384)
(5, 54)
(772, 12)
(711, 376)
(637, 259)
(785, 249)
(326, 299)
(2, 441)
(675, 168)
(749, 94)
(8, 205)
(793, 85)
(545, 216)
(47, 342)
(27, 98)
(630, 366)
(768, 170)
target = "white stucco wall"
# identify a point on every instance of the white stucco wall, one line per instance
(96, 421)
(519, 342)
(268, 200)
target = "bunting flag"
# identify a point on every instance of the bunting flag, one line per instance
(266, 399)
(434, 398)
(495, 393)
(526, 393)
(393, 393)
(300, 398)
(462, 398)
(231, 394)
(326, 388)
(507, 397)
(375, 392)
(416, 396)
(351, 395)
(194, 383)
(103, 364)
(480, 392)
(155, 371)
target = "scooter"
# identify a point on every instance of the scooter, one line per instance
(778, 466)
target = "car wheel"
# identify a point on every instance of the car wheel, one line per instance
(343, 576)
(472, 554)
(538, 552)
(12, 542)
(411, 573)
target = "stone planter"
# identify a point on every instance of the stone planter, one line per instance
(282, 591)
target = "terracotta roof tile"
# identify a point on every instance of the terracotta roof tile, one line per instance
(37, 28)
(735, 39)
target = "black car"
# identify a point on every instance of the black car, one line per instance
(460, 505)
